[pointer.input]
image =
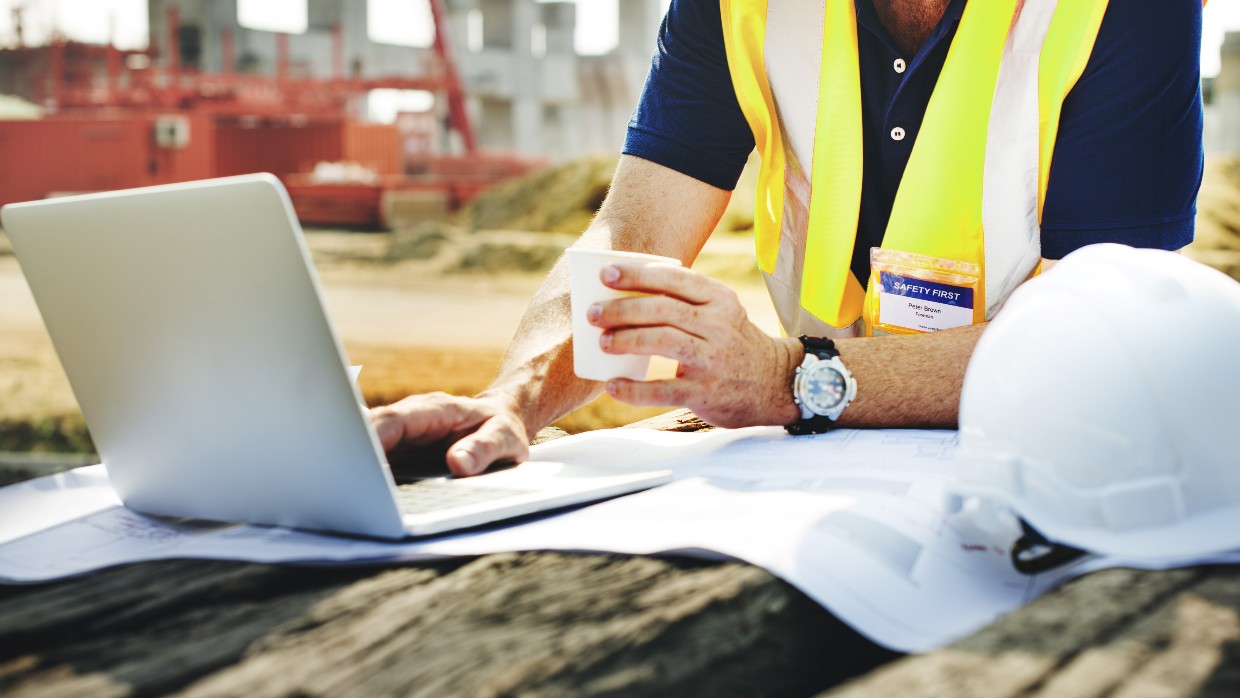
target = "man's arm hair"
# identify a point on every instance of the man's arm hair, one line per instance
(908, 381)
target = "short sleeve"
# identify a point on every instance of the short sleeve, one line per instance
(1128, 159)
(688, 118)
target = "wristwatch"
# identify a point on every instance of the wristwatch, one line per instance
(822, 387)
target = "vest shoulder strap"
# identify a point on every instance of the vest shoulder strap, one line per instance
(744, 38)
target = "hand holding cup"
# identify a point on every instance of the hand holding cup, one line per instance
(589, 359)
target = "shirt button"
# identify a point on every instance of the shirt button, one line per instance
(897, 134)
(900, 65)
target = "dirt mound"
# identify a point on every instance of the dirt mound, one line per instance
(559, 199)
(518, 254)
(522, 225)
(447, 249)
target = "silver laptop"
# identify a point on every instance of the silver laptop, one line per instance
(190, 323)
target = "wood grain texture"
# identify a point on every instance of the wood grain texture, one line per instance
(1113, 633)
(510, 624)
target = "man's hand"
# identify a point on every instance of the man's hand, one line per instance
(731, 373)
(472, 433)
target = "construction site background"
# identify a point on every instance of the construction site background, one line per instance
(431, 306)
(357, 129)
(429, 301)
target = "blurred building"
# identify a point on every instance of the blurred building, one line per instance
(1223, 112)
(527, 89)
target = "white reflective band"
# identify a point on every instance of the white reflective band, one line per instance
(793, 54)
(1010, 179)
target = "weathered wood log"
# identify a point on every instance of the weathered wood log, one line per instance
(532, 623)
(1113, 633)
(676, 420)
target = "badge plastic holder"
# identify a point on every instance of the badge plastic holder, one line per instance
(914, 293)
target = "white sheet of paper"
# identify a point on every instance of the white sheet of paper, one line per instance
(855, 519)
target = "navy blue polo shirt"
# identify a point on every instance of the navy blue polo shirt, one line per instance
(1128, 158)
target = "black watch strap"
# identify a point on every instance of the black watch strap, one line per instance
(821, 347)
(818, 424)
(825, 350)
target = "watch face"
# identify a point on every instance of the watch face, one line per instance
(825, 388)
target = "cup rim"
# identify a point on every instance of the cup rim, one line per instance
(622, 255)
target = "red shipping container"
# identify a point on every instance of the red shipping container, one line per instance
(279, 149)
(285, 149)
(46, 156)
(376, 146)
(57, 155)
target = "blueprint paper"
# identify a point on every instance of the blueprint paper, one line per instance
(858, 520)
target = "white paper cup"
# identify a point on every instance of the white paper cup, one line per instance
(589, 359)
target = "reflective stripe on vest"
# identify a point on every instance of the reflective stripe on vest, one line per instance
(1010, 65)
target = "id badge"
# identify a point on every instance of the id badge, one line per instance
(912, 293)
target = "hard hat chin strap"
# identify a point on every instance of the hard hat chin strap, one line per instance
(1033, 553)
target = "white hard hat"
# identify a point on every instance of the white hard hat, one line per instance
(1099, 405)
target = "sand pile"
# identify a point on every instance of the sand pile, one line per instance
(525, 223)
(1218, 216)
(564, 199)
(559, 199)
(521, 225)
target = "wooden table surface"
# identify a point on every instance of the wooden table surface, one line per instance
(570, 625)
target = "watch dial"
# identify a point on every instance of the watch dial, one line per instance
(826, 390)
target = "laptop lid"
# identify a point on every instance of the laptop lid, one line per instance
(190, 323)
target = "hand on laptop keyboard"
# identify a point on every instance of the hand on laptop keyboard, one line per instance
(467, 434)
(414, 464)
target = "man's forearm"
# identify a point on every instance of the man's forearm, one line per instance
(537, 370)
(908, 381)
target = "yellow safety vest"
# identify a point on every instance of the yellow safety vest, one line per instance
(976, 179)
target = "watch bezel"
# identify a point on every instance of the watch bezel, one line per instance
(819, 350)
(823, 371)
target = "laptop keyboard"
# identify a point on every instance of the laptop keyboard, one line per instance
(426, 496)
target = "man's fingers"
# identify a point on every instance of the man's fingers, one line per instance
(496, 440)
(663, 279)
(665, 341)
(388, 426)
(647, 311)
(675, 392)
(476, 432)
(423, 419)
